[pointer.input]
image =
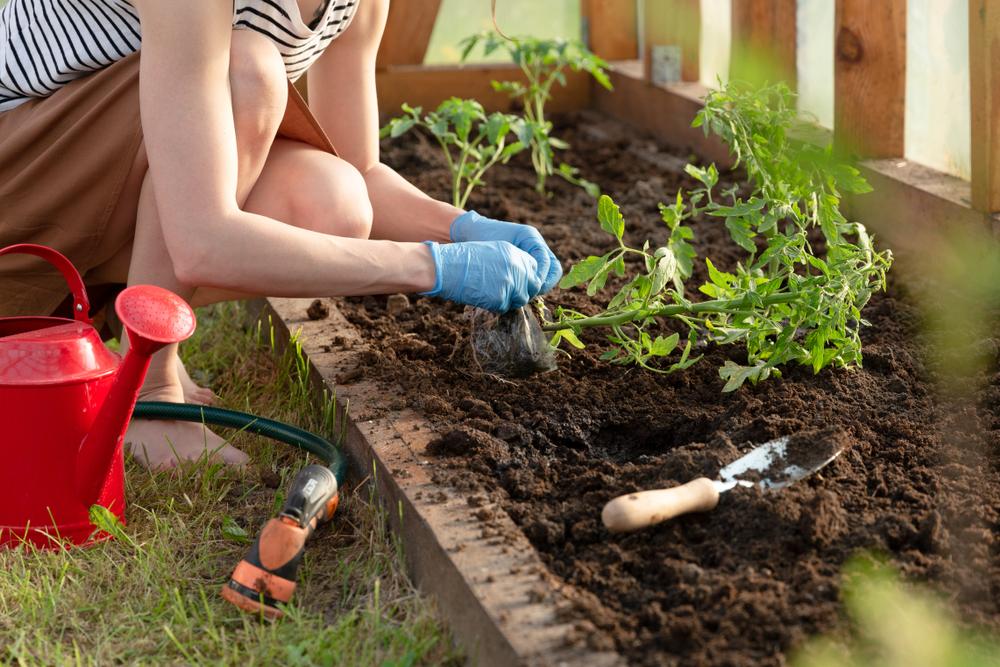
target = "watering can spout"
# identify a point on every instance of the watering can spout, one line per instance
(153, 318)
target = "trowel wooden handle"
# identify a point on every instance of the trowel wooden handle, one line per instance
(647, 508)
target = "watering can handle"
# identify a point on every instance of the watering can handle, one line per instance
(81, 304)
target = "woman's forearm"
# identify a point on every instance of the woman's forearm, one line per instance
(403, 212)
(254, 254)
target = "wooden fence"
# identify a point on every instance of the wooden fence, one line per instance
(869, 89)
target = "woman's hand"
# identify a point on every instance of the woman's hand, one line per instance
(471, 226)
(493, 275)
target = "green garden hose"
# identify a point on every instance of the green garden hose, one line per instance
(263, 585)
(319, 447)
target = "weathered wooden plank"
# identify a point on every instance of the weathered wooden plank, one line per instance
(870, 77)
(428, 86)
(763, 34)
(984, 79)
(611, 28)
(407, 32)
(664, 111)
(677, 23)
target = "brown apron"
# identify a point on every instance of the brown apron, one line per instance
(64, 165)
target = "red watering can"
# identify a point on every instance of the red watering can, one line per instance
(65, 402)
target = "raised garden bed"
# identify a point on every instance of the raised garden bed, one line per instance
(751, 581)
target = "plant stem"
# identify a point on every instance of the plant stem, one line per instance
(457, 178)
(474, 179)
(717, 306)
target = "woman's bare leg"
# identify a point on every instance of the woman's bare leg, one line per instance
(300, 184)
(259, 94)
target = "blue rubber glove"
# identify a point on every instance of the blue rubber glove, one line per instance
(470, 226)
(487, 274)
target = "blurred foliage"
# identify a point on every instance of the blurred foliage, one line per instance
(551, 19)
(896, 625)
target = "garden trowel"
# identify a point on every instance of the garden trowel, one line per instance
(771, 466)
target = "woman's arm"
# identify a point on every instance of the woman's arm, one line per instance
(343, 98)
(187, 121)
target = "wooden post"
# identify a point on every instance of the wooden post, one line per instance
(611, 28)
(984, 73)
(870, 77)
(673, 23)
(407, 32)
(763, 41)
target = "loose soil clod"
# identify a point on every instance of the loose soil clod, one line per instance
(747, 583)
(318, 310)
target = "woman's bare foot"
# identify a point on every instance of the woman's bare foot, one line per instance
(161, 445)
(193, 393)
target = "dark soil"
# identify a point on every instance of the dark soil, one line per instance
(748, 582)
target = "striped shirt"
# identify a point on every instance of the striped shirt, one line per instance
(45, 44)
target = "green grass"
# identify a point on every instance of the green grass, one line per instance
(152, 596)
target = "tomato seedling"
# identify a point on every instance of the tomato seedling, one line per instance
(544, 63)
(472, 141)
(785, 302)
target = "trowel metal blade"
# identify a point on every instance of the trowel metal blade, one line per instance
(773, 466)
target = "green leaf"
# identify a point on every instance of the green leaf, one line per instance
(233, 532)
(583, 271)
(739, 230)
(669, 215)
(661, 346)
(709, 177)
(664, 271)
(610, 217)
(511, 150)
(720, 278)
(468, 44)
(683, 251)
(108, 521)
(616, 266)
(497, 126)
(686, 360)
(735, 375)
(817, 352)
(739, 208)
(400, 126)
(568, 336)
(818, 264)
(712, 291)
(850, 179)
(439, 127)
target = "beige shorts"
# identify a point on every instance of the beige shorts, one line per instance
(65, 163)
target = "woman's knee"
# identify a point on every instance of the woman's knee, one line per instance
(312, 189)
(341, 205)
(329, 195)
(259, 88)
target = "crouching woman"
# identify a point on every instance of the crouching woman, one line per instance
(161, 143)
